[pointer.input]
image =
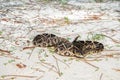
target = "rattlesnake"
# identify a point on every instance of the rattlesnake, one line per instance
(66, 48)
(88, 47)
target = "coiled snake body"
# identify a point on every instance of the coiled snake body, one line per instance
(66, 48)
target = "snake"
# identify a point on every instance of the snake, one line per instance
(88, 47)
(63, 47)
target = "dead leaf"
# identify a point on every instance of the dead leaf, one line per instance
(21, 65)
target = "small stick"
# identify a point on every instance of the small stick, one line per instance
(28, 47)
(48, 64)
(116, 69)
(30, 54)
(109, 55)
(11, 56)
(93, 59)
(61, 61)
(116, 41)
(90, 64)
(49, 68)
(39, 77)
(58, 69)
(27, 76)
(101, 76)
(5, 51)
(32, 47)
(113, 50)
(8, 78)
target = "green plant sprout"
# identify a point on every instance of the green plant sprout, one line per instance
(51, 50)
(1, 32)
(67, 20)
(95, 37)
(9, 61)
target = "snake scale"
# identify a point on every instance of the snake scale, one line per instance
(64, 47)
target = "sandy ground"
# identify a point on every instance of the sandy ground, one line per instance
(91, 21)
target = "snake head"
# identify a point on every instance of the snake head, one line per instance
(99, 46)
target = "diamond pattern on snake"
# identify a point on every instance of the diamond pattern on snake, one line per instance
(64, 47)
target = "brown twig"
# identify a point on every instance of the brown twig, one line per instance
(28, 47)
(114, 40)
(32, 47)
(112, 50)
(116, 69)
(90, 63)
(113, 53)
(11, 56)
(96, 59)
(101, 30)
(49, 67)
(61, 61)
(27, 76)
(109, 55)
(58, 68)
(5, 51)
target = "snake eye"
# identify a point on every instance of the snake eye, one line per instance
(99, 46)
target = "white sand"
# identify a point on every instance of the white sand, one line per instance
(22, 24)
